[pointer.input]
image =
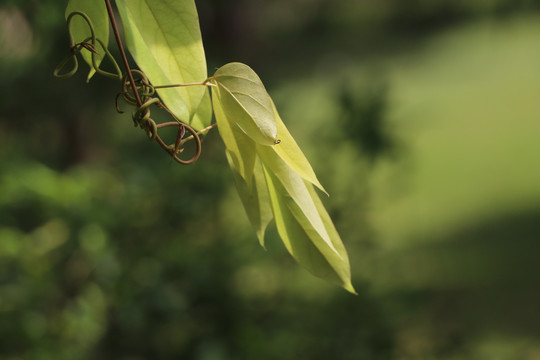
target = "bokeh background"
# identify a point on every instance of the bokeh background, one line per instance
(421, 120)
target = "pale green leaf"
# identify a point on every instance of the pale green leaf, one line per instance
(240, 148)
(245, 100)
(255, 198)
(295, 188)
(97, 12)
(303, 247)
(203, 115)
(164, 38)
(275, 181)
(289, 151)
(341, 267)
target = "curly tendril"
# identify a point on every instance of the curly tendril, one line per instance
(89, 44)
(136, 90)
(141, 116)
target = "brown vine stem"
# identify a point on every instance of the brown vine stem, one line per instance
(122, 52)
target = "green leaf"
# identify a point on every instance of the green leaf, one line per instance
(255, 198)
(240, 148)
(97, 12)
(342, 266)
(245, 100)
(305, 246)
(275, 181)
(165, 40)
(295, 188)
(246, 168)
(289, 151)
(203, 115)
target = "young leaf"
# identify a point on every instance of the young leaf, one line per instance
(255, 198)
(275, 181)
(321, 263)
(245, 100)
(97, 12)
(240, 148)
(341, 267)
(295, 188)
(246, 168)
(165, 40)
(203, 114)
(289, 151)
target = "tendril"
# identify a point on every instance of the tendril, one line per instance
(142, 84)
(142, 116)
(89, 44)
(175, 148)
(136, 89)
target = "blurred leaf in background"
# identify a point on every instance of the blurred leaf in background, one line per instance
(110, 251)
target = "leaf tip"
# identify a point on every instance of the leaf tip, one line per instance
(351, 290)
(320, 187)
(90, 75)
(260, 236)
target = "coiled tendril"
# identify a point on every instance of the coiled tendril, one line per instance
(89, 44)
(141, 94)
(141, 116)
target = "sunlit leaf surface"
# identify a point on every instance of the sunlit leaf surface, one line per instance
(240, 148)
(293, 186)
(164, 38)
(303, 243)
(244, 98)
(275, 180)
(289, 151)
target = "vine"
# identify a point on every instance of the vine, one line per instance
(274, 179)
(75, 48)
(140, 93)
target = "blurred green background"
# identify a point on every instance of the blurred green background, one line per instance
(421, 119)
